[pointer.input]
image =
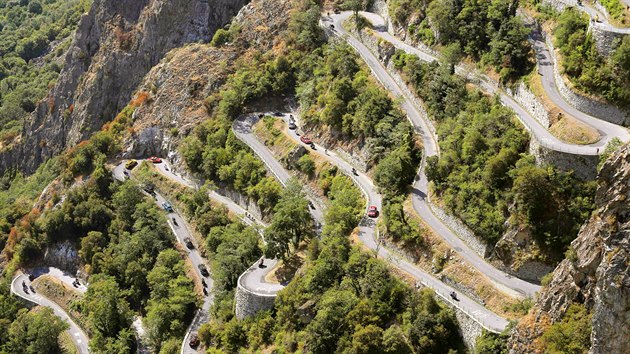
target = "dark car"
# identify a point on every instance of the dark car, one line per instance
(194, 341)
(149, 188)
(337, 11)
(292, 125)
(167, 206)
(203, 270)
(306, 140)
(188, 243)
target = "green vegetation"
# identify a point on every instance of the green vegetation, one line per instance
(571, 335)
(345, 300)
(292, 223)
(491, 343)
(612, 146)
(32, 332)
(125, 246)
(615, 8)
(484, 168)
(214, 153)
(488, 31)
(588, 70)
(30, 30)
(230, 245)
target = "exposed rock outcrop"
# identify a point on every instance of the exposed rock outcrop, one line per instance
(179, 83)
(115, 45)
(597, 274)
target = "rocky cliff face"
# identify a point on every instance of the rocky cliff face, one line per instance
(115, 45)
(179, 83)
(597, 274)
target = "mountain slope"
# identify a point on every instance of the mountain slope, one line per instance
(116, 44)
(596, 272)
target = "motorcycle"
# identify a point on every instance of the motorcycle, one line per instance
(174, 221)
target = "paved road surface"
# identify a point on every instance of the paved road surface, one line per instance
(423, 125)
(180, 230)
(367, 229)
(607, 130)
(254, 278)
(243, 130)
(598, 18)
(546, 69)
(77, 335)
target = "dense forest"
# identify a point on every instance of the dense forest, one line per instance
(34, 36)
(484, 174)
(487, 31)
(608, 77)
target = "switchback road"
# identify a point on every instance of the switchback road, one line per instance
(79, 337)
(424, 127)
(367, 228)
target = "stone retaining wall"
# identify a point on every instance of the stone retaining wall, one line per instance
(605, 41)
(526, 98)
(468, 329)
(248, 303)
(460, 229)
(582, 103)
(583, 166)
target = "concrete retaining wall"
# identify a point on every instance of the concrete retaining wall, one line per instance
(582, 103)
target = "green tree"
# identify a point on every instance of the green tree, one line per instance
(107, 310)
(292, 223)
(35, 332)
(572, 334)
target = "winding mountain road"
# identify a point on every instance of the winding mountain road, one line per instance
(181, 232)
(546, 70)
(607, 130)
(423, 126)
(367, 228)
(79, 337)
(253, 278)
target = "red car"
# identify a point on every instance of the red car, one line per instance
(372, 211)
(306, 140)
(154, 159)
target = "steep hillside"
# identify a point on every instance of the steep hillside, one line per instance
(595, 274)
(177, 87)
(116, 44)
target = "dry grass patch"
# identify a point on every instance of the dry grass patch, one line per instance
(270, 130)
(62, 294)
(284, 271)
(563, 125)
